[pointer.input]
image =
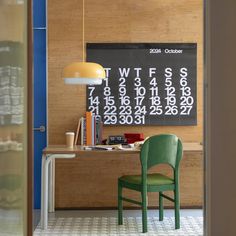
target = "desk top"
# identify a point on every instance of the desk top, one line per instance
(59, 149)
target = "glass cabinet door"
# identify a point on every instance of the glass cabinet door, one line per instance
(14, 116)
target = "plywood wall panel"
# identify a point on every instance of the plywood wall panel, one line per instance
(115, 21)
(91, 181)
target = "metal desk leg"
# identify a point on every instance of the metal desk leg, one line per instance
(44, 185)
(42, 190)
(44, 207)
(51, 182)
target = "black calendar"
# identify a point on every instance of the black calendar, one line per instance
(146, 83)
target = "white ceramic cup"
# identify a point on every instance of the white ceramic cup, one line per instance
(70, 139)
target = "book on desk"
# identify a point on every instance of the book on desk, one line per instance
(89, 129)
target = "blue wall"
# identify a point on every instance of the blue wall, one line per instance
(40, 96)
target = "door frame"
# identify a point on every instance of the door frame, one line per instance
(30, 156)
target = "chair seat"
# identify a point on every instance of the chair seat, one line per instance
(152, 179)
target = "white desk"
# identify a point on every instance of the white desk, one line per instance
(51, 153)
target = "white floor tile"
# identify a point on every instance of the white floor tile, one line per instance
(102, 223)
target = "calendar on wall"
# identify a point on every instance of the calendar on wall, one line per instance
(146, 83)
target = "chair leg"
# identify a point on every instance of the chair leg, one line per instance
(161, 208)
(120, 205)
(144, 212)
(177, 208)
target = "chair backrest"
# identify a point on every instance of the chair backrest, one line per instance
(161, 149)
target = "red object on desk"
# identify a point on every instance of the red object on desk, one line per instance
(134, 137)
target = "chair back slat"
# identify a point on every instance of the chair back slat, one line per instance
(161, 149)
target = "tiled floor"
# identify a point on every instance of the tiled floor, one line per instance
(102, 223)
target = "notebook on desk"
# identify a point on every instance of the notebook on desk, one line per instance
(105, 147)
(109, 147)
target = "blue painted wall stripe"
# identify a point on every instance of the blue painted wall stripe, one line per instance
(40, 96)
(39, 13)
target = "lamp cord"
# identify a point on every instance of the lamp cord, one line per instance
(83, 33)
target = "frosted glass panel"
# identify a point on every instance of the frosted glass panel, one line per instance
(13, 109)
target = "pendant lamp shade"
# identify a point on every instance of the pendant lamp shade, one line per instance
(84, 73)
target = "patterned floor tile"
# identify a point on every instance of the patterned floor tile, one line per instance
(103, 226)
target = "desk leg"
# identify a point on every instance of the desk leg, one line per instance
(44, 207)
(53, 184)
(46, 160)
(43, 190)
(51, 190)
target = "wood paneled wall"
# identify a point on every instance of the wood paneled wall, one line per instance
(115, 21)
(91, 181)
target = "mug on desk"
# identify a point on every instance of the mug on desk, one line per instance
(70, 139)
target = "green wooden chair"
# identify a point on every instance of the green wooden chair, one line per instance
(158, 149)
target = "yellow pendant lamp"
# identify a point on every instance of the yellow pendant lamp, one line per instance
(84, 72)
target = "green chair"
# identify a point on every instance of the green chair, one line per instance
(158, 149)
